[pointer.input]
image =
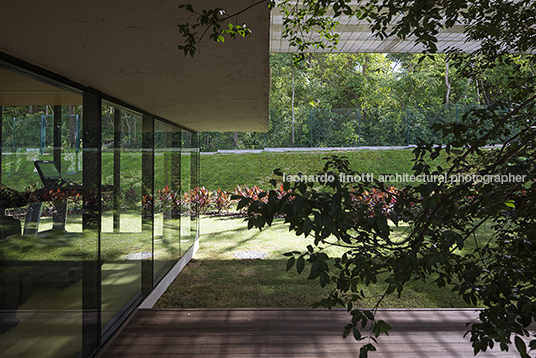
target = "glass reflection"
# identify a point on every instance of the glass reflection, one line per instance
(124, 246)
(97, 203)
(42, 247)
(167, 243)
(188, 193)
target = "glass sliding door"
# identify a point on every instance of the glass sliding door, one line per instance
(43, 250)
(187, 191)
(195, 172)
(124, 244)
(167, 179)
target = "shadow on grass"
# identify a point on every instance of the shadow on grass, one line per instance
(224, 236)
(240, 284)
(217, 279)
(267, 284)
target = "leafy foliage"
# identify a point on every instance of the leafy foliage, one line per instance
(442, 220)
(10, 198)
(210, 19)
(442, 216)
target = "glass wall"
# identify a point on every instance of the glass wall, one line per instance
(43, 248)
(97, 203)
(195, 173)
(167, 184)
(124, 244)
(188, 191)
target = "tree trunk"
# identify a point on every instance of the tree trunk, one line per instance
(447, 82)
(235, 139)
(364, 72)
(293, 92)
(487, 99)
(478, 92)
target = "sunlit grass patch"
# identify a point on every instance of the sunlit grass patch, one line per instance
(217, 279)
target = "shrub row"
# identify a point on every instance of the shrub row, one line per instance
(219, 201)
(206, 201)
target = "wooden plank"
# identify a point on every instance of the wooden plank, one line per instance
(159, 340)
(291, 333)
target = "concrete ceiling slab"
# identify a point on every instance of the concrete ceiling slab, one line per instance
(128, 50)
(19, 90)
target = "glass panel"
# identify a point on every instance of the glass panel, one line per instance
(167, 198)
(43, 252)
(188, 193)
(124, 246)
(194, 213)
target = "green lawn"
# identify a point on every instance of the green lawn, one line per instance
(226, 170)
(215, 278)
(219, 170)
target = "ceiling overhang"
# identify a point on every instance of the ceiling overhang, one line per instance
(19, 90)
(128, 50)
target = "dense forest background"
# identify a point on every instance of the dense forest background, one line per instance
(348, 100)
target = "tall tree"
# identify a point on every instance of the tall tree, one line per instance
(292, 102)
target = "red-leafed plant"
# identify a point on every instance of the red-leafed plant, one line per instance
(169, 201)
(147, 202)
(252, 193)
(199, 199)
(222, 201)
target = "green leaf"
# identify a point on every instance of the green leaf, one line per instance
(278, 172)
(290, 262)
(324, 279)
(242, 203)
(391, 289)
(347, 330)
(363, 352)
(476, 347)
(510, 203)
(532, 344)
(521, 347)
(307, 226)
(369, 315)
(357, 334)
(385, 327)
(300, 265)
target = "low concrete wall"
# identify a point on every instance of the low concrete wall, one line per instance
(159, 290)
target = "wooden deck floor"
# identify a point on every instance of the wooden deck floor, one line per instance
(287, 333)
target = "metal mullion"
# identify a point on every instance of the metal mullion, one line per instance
(91, 222)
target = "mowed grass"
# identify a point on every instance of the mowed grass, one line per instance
(216, 278)
(226, 170)
(218, 171)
